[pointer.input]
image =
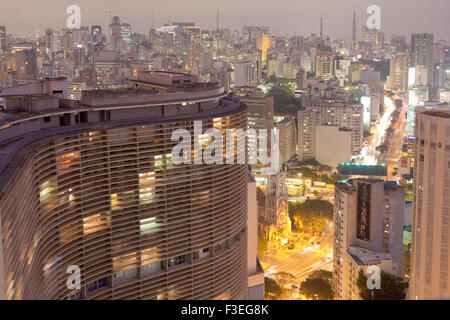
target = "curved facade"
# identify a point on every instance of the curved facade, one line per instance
(106, 197)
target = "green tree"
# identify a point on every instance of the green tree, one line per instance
(389, 131)
(318, 286)
(312, 214)
(391, 287)
(272, 290)
(382, 148)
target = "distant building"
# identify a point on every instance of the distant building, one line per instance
(330, 112)
(422, 52)
(288, 136)
(324, 65)
(333, 145)
(398, 77)
(245, 73)
(3, 39)
(301, 79)
(260, 114)
(125, 32)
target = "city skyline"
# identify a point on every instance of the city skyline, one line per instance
(221, 150)
(303, 19)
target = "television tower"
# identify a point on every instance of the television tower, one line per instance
(321, 26)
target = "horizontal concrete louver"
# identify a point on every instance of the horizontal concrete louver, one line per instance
(109, 201)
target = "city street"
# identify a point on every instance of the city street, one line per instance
(300, 262)
(391, 157)
(371, 157)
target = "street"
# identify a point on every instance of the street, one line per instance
(301, 262)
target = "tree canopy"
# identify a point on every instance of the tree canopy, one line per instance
(312, 214)
(391, 287)
(318, 286)
(272, 289)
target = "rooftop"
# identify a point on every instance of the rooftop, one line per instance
(366, 257)
(441, 112)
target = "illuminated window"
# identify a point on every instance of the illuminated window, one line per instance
(146, 191)
(148, 226)
(95, 223)
(159, 162)
(48, 190)
(65, 161)
(203, 139)
(121, 200)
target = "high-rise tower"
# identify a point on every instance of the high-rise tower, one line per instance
(368, 223)
(430, 250)
(96, 187)
(321, 26)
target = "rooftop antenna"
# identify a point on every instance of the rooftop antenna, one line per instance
(218, 16)
(153, 19)
(321, 26)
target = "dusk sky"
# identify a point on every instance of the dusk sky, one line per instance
(285, 17)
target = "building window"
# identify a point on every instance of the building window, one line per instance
(102, 282)
(98, 284)
(151, 268)
(177, 261)
(202, 253)
(91, 286)
(126, 275)
(148, 226)
(47, 119)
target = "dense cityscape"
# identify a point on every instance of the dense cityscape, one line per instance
(193, 163)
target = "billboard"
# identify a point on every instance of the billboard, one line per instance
(363, 212)
(366, 102)
(356, 169)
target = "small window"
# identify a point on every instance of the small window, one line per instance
(102, 283)
(47, 119)
(125, 275)
(177, 261)
(91, 286)
(151, 268)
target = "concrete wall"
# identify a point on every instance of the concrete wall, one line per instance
(333, 146)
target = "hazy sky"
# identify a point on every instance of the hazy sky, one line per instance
(283, 16)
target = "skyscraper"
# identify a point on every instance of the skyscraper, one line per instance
(95, 187)
(301, 79)
(422, 52)
(398, 77)
(329, 112)
(96, 32)
(321, 26)
(354, 25)
(288, 136)
(430, 277)
(125, 32)
(115, 35)
(260, 111)
(324, 65)
(3, 38)
(368, 223)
